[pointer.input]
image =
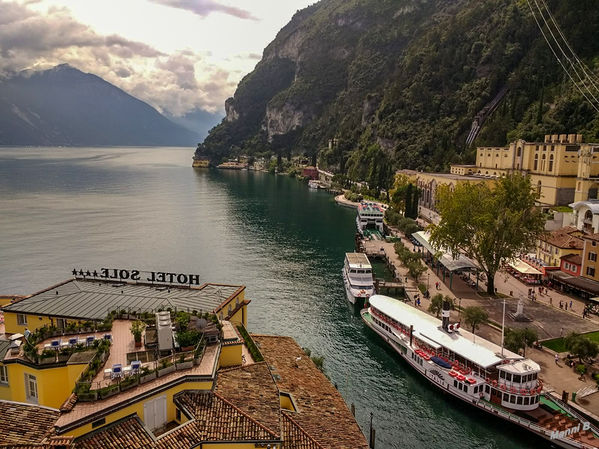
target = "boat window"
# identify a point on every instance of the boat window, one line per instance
(501, 375)
(526, 400)
(519, 401)
(508, 376)
(352, 271)
(465, 388)
(487, 389)
(512, 399)
(475, 390)
(505, 397)
(517, 378)
(455, 383)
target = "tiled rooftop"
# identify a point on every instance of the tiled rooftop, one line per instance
(127, 433)
(567, 237)
(253, 390)
(39, 423)
(94, 300)
(321, 411)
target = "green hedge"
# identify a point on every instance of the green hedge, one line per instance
(256, 354)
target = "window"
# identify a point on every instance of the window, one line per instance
(487, 389)
(593, 256)
(517, 378)
(526, 400)
(519, 151)
(3, 375)
(551, 162)
(61, 323)
(21, 319)
(536, 164)
(31, 388)
(512, 399)
(465, 388)
(519, 401)
(505, 397)
(590, 271)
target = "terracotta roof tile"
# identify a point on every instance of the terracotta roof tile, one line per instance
(126, 433)
(24, 424)
(321, 411)
(253, 390)
(573, 258)
(295, 437)
(568, 237)
(214, 419)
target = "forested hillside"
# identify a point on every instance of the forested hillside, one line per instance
(400, 82)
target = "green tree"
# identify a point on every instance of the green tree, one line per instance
(436, 305)
(581, 346)
(474, 316)
(491, 224)
(516, 339)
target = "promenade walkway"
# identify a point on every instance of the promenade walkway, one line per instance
(546, 317)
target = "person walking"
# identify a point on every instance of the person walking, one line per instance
(570, 305)
(556, 359)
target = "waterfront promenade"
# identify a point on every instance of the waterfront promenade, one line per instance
(546, 317)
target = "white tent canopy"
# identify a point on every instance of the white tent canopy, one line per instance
(522, 267)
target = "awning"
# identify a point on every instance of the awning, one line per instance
(447, 260)
(580, 283)
(522, 267)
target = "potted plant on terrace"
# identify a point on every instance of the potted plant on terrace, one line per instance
(137, 329)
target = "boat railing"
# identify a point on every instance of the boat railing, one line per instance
(572, 412)
(535, 427)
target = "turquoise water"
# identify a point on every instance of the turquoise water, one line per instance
(146, 208)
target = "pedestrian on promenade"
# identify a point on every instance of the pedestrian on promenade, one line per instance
(550, 301)
(561, 332)
(418, 301)
(556, 359)
(561, 304)
(570, 305)
(566, 306)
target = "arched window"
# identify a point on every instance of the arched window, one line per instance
(519, 152)
(536, 165)
(551, 162)
(543, 163)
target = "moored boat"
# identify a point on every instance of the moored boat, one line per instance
(357, 278)
(478, 372)
(370, 216)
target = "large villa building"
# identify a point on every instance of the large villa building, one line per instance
(563, 169)
(74, 374)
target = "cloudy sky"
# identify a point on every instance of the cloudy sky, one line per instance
(177, 55)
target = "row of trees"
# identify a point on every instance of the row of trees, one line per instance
(412, 261)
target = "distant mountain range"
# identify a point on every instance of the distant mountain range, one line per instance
(64, 106)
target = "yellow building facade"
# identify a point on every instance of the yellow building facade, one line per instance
(562, 168)
(557, 244)
(590, 266)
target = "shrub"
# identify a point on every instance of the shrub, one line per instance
(581, 369)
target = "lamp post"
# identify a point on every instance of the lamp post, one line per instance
(428, 275)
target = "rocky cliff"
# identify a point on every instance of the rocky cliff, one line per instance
(409, 77)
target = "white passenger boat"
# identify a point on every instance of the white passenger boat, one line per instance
(370, 216)
(478, 372)
(357, 277)
(313, 184)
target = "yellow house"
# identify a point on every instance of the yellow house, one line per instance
(562, 168)
(79, 372)
(557, 244)
(590, 267)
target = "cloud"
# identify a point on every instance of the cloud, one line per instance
(176, 83)
(206, 7)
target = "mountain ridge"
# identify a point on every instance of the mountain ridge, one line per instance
(408, 77)
(65, 106)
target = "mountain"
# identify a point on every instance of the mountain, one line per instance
(64, 106)
(198, 121)
(402, 81)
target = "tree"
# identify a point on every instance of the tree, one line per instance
(436, 305)
(473, 316)
(581, 346)
(491, 224)
(516, 339)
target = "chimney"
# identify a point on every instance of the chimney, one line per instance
(445, 315)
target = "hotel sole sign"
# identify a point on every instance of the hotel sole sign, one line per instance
(154, 277)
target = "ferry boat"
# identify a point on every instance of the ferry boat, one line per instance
(477, 371)
(370, 215)
(357, 277)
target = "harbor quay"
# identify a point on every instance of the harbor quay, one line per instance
(103, 360)
(546, 317)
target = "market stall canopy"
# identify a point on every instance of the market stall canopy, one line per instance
(522, 267)
(447, 260)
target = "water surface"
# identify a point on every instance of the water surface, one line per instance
(146, 208)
